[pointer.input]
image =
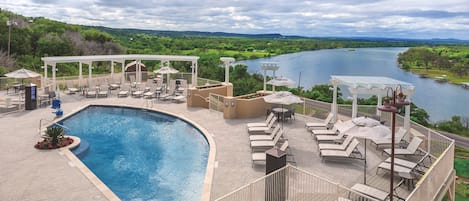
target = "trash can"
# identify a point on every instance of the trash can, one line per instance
(30, 99)
(275, 185)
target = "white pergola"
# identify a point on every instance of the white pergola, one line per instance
(88, 60)
(273, 66)
(369, 85)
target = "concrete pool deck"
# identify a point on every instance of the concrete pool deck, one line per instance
(30, 174)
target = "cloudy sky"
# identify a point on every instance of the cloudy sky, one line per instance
(341, 18)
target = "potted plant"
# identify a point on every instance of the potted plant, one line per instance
(55, 134)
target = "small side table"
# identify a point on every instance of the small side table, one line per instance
(408, 179)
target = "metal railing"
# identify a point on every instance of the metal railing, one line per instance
(49, 123)
(292, 183)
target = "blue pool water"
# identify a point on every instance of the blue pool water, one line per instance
(142, 155)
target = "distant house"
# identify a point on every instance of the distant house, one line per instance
(132, 67)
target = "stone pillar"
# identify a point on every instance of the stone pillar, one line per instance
(190, 96)
(229, 111)
(229, 89)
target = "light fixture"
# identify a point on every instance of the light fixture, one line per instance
(391, 106)
(388, 106)
(232, 103)
(227, 103)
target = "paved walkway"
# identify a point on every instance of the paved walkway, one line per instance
(29, 174)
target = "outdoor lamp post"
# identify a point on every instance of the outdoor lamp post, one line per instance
(390, 104)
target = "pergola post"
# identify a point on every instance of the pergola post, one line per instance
(273, 86)
(380, 97)
(123, 72)
(354, 92)
(90, 72)
(137, 72)
(112, 70)
(54, 84)
(80, 74)
(227, 61)
(334, 101)
(194, 73)
(44, 82)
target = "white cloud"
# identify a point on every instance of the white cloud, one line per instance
(376, 18)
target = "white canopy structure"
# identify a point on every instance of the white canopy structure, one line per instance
(53, 61)
(370, 85)
(273, 66)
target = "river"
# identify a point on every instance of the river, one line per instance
(440, 100)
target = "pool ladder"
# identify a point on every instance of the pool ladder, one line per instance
(41, 130)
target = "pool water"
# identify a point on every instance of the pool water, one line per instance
(142, 155)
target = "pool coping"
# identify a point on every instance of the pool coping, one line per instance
(107, 192)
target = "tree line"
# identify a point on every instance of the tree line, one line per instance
(454, 59)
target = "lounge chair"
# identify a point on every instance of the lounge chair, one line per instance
(138, 93)
(123, 92)
(387, 141)
(339, 126)
(370, 191)
(343, 146)
(102, 93)
(348, 153)
(338, 137)
(320, 125)
(71, 89)
(262, 124)
(260, 156)
(410, 150)
(90, 93)
(263, 129)
(266, 137)
(266, 144)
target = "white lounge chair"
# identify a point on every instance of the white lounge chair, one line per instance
(102, 93)
(260, 156)
(387, 141)
(266, 137)
(410, 150)
(339, 126)
(266, 144)
(263, 129)
(262, 124)
(348, 153)
(90, 93)
(338, 137)
(342, 146)
(370, 191)
(71, 89)
(320, 125)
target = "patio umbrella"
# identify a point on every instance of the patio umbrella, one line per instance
(166, 70)
(281, 81)
(367, 128)
(22, 73)
(282, 98)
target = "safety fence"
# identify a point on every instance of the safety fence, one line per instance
(293, 184)
(216, 102)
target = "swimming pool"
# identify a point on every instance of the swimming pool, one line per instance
(140, 154)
